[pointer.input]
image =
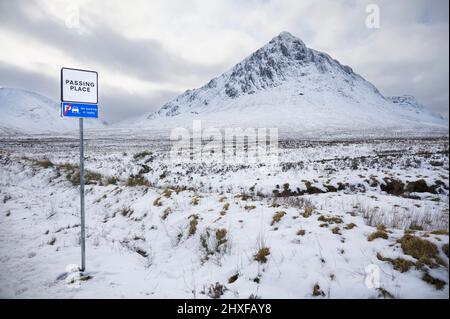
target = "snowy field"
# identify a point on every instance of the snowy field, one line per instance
(332, 219)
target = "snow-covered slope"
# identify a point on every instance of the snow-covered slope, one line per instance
(26, 112)
(287, 85)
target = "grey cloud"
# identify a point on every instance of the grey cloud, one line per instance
(115, 105)
(428, 83)
(147, 60)
(11, 76)
(144, 59)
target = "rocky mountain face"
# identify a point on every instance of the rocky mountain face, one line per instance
(285, 84)
(283, 59)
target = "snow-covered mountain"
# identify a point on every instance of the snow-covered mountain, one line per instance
(26, 112)
(284, 84)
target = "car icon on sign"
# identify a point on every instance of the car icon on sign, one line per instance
(75, 109)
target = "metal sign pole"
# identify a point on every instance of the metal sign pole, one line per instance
(79, 99)
(83, 244)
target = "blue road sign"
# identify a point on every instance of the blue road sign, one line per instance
(79, 110)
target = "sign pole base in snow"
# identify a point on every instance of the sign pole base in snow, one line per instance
(83, 235)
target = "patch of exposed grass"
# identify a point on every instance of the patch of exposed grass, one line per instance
(195, 200)
(167, 193)
(141, 252)
(445, 249)
(244, 196)
(421, 249)
(144, 169)
(317, 291)
(6, 198)
(380, 233)
(44, 163)
(415, 226)
(308, 211)
(216, 291)
(111, 180)
(163, 175)
(166, 213)
(221, 238)
(90, 177)
(301, 232)
(217, 244)
(68, 167)
(141, 155)
(399, 264)
(261, 255)
(330, 219)
(126, 211)
(312, 189)
(350, 226)
(86, 277)
(376, 235)
(193, 225)
(439, 284)
(277, 217)
(383, 293)
(52, 241)
(222, 199)
(420, 186)
(233, 278)
(134, 181)
(393, 186)
(374, 181)
(249, 207)
(440, 232)
(336, 230)
(157, 202)
(274, 204)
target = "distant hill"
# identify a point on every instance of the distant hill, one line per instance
(26, 112)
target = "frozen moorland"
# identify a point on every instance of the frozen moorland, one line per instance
(332, 219)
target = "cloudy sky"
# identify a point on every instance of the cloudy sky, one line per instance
(147, 52)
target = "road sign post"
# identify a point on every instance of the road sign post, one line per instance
(79, 99)
(83, 219)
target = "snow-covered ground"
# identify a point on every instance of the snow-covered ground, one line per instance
(333, 219)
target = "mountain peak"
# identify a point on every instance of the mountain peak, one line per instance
(284, 59)
(285, 83)
(285, 35)
(289, 46)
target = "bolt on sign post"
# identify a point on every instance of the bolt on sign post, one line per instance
(79, 99)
